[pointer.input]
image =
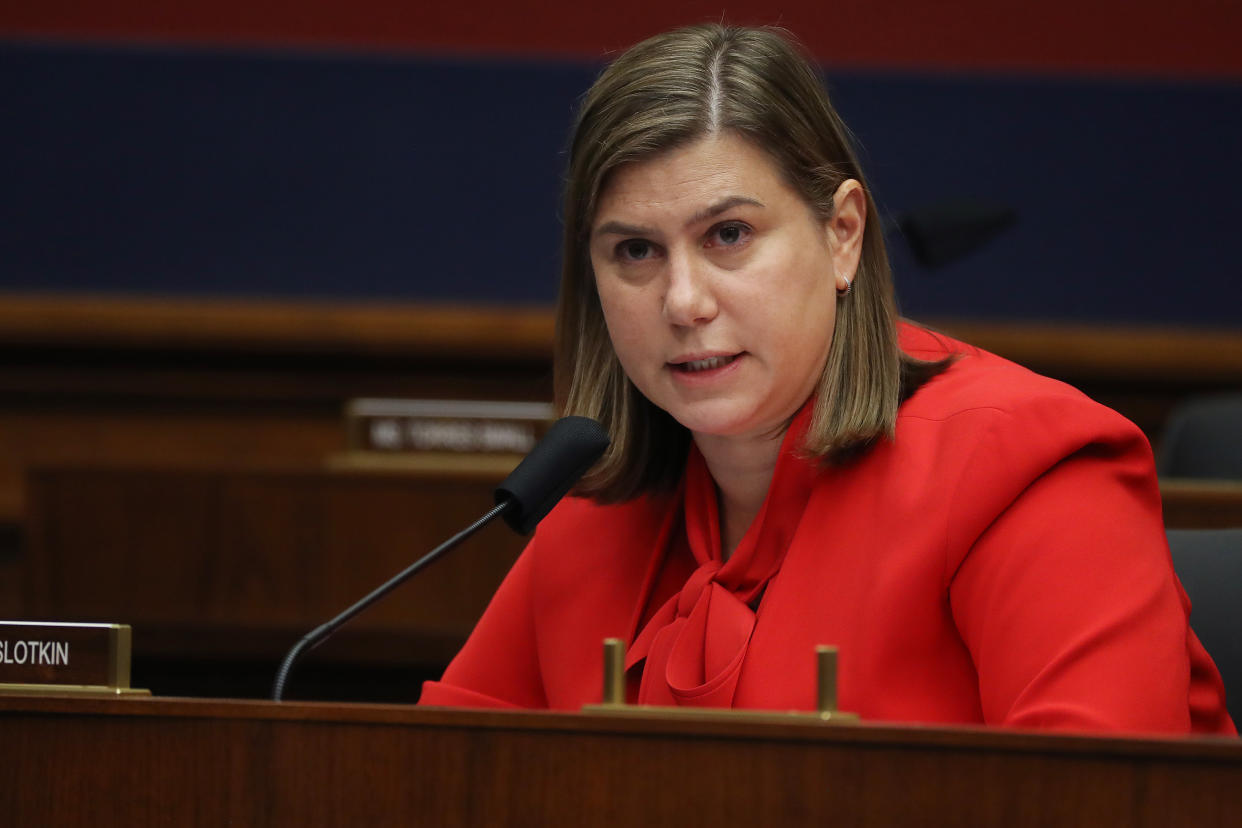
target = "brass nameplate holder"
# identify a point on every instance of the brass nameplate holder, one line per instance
(614, 703)
(55, 659)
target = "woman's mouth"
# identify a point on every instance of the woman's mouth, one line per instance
(696, 366)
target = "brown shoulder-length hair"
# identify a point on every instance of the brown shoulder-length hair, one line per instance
(667, 92)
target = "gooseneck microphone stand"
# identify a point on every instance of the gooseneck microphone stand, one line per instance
(571, 446)
(316, 636)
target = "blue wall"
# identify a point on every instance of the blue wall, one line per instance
(290, 174)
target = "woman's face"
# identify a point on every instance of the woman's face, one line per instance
(718, 284)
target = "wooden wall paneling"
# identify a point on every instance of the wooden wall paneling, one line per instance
(241, 563)
(168, 435)
(325, 538)
(258, 326)
(85, 379)
(91, 379)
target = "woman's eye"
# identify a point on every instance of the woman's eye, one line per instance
(634, 250)
(728, 235)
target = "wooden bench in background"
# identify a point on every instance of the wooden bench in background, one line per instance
(177, 453)
(183, 381)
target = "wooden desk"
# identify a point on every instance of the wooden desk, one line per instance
(220, 571)
(163, 762)
(235, 565)
(243, 562)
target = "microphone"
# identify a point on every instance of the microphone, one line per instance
(571, 446)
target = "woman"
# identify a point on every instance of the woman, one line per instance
(790, 467)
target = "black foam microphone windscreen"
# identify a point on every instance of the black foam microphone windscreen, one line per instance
(571, 446)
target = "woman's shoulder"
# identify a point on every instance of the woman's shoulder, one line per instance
(976, 437)
(980, 384)
(997, 426)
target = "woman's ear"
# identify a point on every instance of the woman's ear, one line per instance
(845, 230)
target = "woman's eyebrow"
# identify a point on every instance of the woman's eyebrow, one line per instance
(721, 206)
(617, 228)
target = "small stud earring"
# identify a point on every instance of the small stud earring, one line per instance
(845, 291)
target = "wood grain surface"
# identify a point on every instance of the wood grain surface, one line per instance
(236, 564)
(242, 562)
(109, 379)
(161, 762)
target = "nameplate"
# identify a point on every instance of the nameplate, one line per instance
(445, 426)
(37, 656)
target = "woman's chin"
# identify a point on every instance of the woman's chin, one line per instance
(725, 424)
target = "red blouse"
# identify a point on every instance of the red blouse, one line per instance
(1001, 561)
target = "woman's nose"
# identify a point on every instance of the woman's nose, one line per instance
(688, 299)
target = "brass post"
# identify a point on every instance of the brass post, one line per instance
(826, 676)
(614, 703)
(614, 671)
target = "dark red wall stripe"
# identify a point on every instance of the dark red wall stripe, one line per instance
(1192, 39)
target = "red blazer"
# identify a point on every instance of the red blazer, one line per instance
(1001, 561)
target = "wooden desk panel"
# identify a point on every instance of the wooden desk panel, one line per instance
(241, 563)
(162, 762)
